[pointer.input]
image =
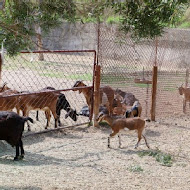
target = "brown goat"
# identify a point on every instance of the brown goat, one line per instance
(10, 102)
(118, 107)
(43, 101)
(186, 96)
(88, 95)
(119, 125)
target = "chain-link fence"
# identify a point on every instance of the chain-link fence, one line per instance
(128, 66)
(33, 84)
(125, 65)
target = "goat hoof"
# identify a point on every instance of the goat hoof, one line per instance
(16, 158)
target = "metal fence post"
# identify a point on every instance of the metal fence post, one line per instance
(154, 88)
(96, 94)
(154, 83)
(1, 62)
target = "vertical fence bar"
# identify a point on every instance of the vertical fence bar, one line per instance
(154, 83)
(96, 94)
(154, 88)
(1, 62)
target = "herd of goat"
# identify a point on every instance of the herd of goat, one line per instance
(113, 110)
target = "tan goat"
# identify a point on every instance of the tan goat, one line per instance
(88, 95)
(186, 96)
(8, 102)
(43, 101)
(119, 108)
(120, 125)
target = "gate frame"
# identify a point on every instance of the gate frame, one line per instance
(60, 90)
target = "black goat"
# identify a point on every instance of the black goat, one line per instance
(11, 129)
(62, 103)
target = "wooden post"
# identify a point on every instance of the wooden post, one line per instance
(154, 88)
(96, 94)
(1, 62)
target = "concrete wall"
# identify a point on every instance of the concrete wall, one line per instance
(71, 37)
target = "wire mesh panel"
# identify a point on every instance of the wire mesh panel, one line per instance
(126, 66)
(47, 84)
(173, 62)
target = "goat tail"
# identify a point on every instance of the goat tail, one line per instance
(28, 119)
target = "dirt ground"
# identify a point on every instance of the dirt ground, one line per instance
(78, 158)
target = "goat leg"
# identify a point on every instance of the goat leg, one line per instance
(139, 139)
(37, 118)
(119, 136)
(146, 141)
(112, 135)
(55, 123)
(108, 142)
(58, 112)
(16, 158)
(58, 119)
(29, 128)
(48, 117)
(184, 106)
(26, 114)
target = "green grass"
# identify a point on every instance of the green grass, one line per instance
(142, 85)
(123, 81)
(113, 78)
(135, 168)
(52, 74)
(113, 20)
(185, 25)
(163, 158)
(171, 89)
(86, 76)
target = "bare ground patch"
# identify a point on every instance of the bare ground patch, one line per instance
(78, 158)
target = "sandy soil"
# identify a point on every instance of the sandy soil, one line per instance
(78, 158)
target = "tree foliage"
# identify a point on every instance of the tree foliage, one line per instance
(18, 19)
(142, 18)
(148, 18)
